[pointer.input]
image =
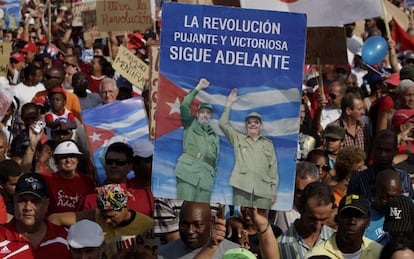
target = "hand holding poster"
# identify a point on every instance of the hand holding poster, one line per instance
(215, 143)
(131, 67)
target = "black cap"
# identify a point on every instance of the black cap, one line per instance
(399, 214)
(354, 201)
(32, 183)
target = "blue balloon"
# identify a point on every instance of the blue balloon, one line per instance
(374, 50)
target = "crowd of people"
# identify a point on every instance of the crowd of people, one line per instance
(352, 197)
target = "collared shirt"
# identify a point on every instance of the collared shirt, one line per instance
(370, 249)
(363, 183)
(54, 244)
(293, 246)
(361, 138)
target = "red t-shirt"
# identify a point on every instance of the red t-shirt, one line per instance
(139, 199)
(67, 194)
(53, 245)
(94, 83)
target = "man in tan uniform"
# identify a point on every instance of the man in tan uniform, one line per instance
(255, 177)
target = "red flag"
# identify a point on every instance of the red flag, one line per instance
(167, 116)
(402, 40)
(97, 136)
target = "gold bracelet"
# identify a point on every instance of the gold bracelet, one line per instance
(264, 231)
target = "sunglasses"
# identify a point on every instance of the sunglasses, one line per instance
(68, 64)
(332, 96)
(48, 77)
(324, 167)
(109, 161)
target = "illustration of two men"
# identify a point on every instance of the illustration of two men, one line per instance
(255, 175)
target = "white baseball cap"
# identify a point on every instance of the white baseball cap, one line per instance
(67, 147)
(143, 148)
(85, 233)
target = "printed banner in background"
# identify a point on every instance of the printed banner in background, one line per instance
(259, 52)
(322, 12)
(10, 14)
(121, 121)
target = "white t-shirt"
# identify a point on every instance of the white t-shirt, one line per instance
(26, 93)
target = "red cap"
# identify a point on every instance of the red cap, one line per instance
(17, 56)
(136, 40)
(29, 47)
(402, 116)
(57, 90)
(394, 79)
(42, 41)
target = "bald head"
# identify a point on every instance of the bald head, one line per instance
(387, 185)
(195, 224)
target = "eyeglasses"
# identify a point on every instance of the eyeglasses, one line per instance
(48, 77)
(109, 161)
(33, 37)
(324, 167)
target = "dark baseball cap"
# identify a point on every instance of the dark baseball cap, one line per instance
(354, 201)
(335, 132)
(399, 214)
(32, 183)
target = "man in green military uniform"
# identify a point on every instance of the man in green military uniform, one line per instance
(196, 167)
(255, 177)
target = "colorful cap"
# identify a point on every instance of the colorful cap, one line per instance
(111, 197)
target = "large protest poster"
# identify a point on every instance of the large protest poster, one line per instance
(259, 52)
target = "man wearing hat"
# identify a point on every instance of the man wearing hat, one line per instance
(333, 142)
(122, 227)
(29, 234)
(399, 217)
(196, 167)
(86, 240)
(29, 51)
(353, 219)
(255, 176)
(15, 68)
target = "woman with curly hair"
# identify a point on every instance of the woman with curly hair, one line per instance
(349, 161)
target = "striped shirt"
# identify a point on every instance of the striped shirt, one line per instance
(363, 183)
(293, 246)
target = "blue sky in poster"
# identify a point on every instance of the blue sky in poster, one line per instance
(237, 41)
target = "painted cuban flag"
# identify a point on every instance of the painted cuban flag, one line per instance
(121, 121)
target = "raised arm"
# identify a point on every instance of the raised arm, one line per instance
(185, 107)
